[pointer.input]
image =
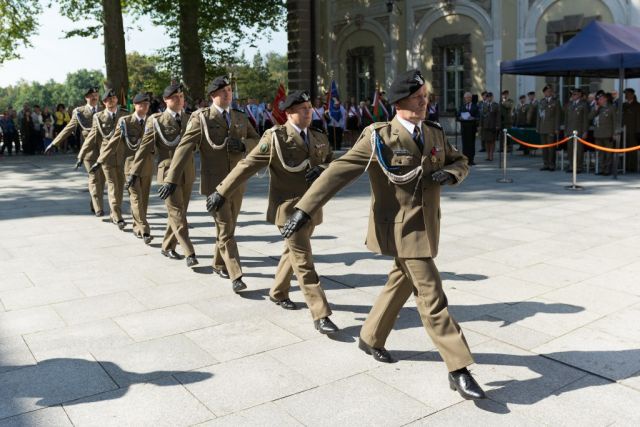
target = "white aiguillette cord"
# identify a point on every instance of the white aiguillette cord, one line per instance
(170, 144)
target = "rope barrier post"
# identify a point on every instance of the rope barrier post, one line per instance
(574, 185)
(504, 179)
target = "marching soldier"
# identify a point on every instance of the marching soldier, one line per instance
(162, 134)
(408, 160)
(604, 124)
(120, 152)
(489, 124)
(83, 117)
(548, 125)
(296, 155)
(576, 117)
(631, 120)
(104, 126)
(223, 135)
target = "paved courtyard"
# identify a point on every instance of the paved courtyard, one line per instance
(98, 329)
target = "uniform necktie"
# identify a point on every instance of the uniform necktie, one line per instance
(417, 137)
(178, 120)
(225, 116)
(303, 135)
(93, 110)
(141, 122)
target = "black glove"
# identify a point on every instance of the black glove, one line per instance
(78, 164)
(94, 167)
(443, 177)
(294, 223)
(235, 145)
(215, 201)
(131, 180)
(166, 190)
(313, 173)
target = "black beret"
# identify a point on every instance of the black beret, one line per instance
(218, 83)
(295, 97)
(171, 89)
(92, 89)
(600, 95)
(404, 85)
(141, 97)
(108, 92)
(629, 90)
(489, 94)
(576, 89)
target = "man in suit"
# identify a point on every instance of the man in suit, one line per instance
(82, 117)
(120, 152)
(468, 116)
(408, 159)
(104, 126)
(548, 126)
(296, 155)
(223, 135)
(162, 134)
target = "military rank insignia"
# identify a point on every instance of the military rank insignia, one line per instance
(434, 158)
(264, 147)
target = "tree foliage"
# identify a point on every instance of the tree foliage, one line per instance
(146, 74)
(260, 78)
(18, 22)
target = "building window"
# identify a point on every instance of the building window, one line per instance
(360, 73)
(453, 77)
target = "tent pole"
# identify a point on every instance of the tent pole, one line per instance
(618, 121)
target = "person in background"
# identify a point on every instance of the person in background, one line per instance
(36, 135)
(468, 117)
(9, 132)
(26, 131)
(317, 115)
(631, 120)
(604, 123)
(337, 123)
(48, 132)
(433, 109)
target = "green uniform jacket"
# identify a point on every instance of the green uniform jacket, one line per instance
(286, 187)
(631, 119)
(404, 220)
(489, 116)
(522, 115)
(123, 145)
(81, 116)
(215, 163)
(153, 142)
(604, 121)
(506, 113)
(549, 115)
(101, 132)
(576, 117)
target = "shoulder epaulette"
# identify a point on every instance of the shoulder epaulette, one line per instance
(433, 124)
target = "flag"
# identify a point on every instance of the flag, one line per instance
(334, 110)
(278, 114)
(378, 107)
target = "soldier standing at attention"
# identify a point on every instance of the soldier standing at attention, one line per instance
(506, 116)
(631, 120)
(296, 155)
(489, 124)
(521, 112)
(576, 117)
(223, 135)
(408, 159)
(548, 125)
(104, 126)
(604, 124)
(83, 117)
(120, 151)
(162, 134)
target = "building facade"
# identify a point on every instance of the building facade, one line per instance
(458, 44)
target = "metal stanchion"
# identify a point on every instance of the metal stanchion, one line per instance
(504, 179)
(574, 185)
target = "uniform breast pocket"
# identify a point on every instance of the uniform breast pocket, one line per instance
(403, 160)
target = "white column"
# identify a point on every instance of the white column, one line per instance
(526, 48)
(493, 67)
(492, 74)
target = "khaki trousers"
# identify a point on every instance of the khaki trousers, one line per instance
(115, 187)
(297, 258)
(226, 256)
(177, 226)
(579, 157)
(548, 154)
(605, 160)
(96, 185)
(139, 198)
(421, 277)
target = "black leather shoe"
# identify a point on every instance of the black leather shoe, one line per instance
(286, 303)
(238, 285)
(171, 253)
(100, 213)
(544, 168)
(221, 272)
(325, 326)
(147, 238)
(192, 261)
(380, 354)
(462, 382)
(121, 224)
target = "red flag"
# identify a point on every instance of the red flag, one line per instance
(278, 114)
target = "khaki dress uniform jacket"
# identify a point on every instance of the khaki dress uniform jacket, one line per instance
(547, 125)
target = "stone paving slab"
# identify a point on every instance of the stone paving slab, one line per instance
(97, 328)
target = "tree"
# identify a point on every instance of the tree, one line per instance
(146, 73)
(18, 22)
(206, 33)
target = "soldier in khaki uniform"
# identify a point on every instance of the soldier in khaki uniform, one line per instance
(520, 113)
(223, 136)
(576, 117)
(506, 117)
(408, 159)
(548, 125)
(295, 155)
(120, 152)
(162, 134)
(489, 114)
(631, 120)
(604, 125)
(104, 126)
(83, 117)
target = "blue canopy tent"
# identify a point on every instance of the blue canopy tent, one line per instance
(598, 50)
